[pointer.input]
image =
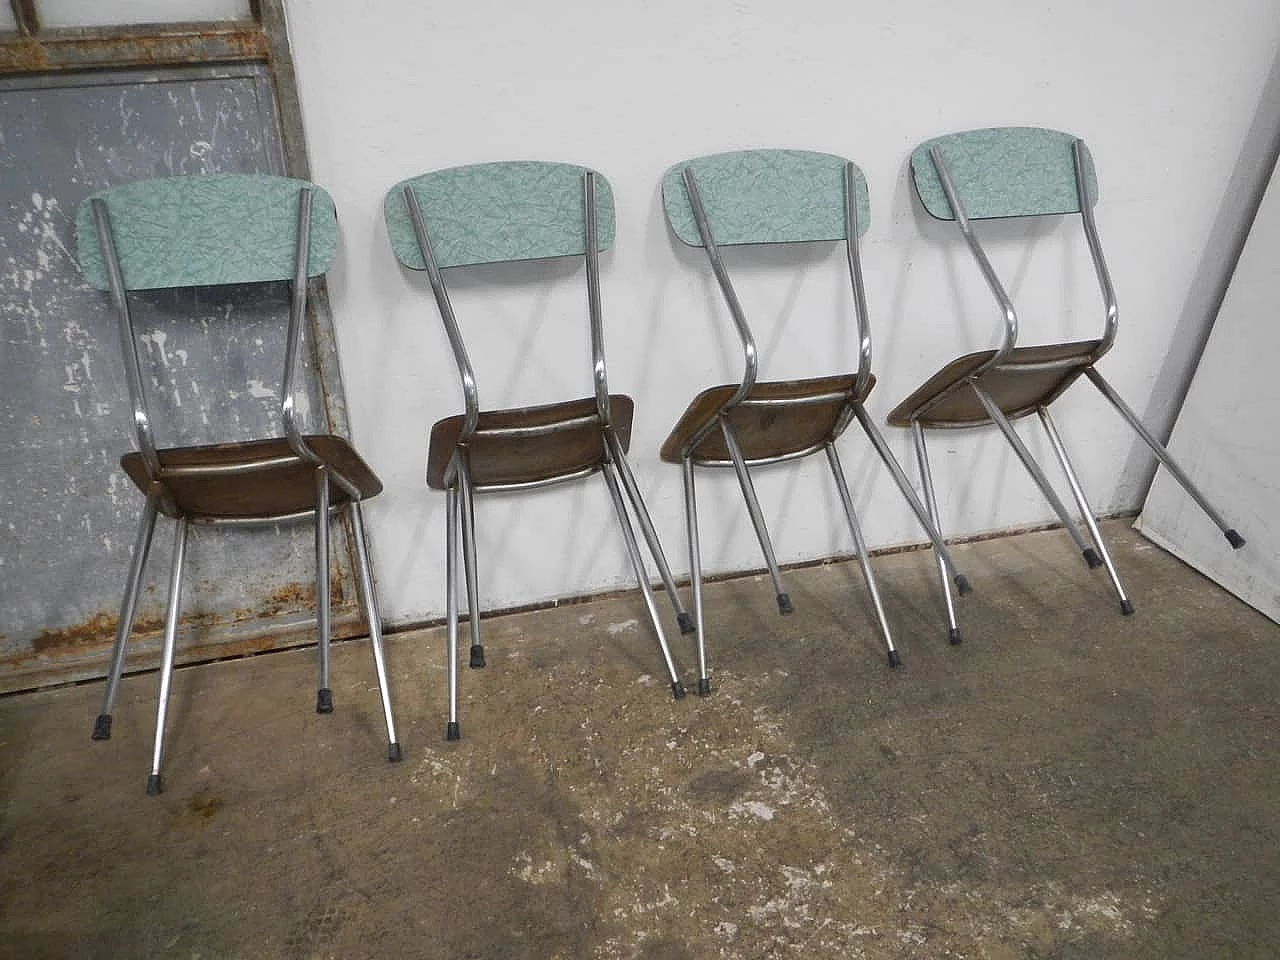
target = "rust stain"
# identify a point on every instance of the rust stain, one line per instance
(291, 596)
(298, 596)
(78, 49)
(204, 806)
(97, 630)
(100, 629)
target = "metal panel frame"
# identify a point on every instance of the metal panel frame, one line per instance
(262, 39)
(48, 58)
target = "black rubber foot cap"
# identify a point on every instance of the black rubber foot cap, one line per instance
(677, 690)
(784, 604)
(962, 584)
(1234, 539)
(453, 733)
(324, 700)
(1092, 559)
(954, 636)
(102, 727)
(477, 656)
(894, 659)
(686, 623)
(704, 687)
(1126, 608)
(393, 752)
(153, 785)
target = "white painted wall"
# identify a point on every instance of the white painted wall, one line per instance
(1164, 92)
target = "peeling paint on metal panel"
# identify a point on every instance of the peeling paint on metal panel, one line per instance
(65, 405)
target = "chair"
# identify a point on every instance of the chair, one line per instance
(210, 230)
(1021, 172)
(500, 213)
(766, 197)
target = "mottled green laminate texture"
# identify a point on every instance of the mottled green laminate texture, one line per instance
(1004, 172)
(765, 196)
(206, 230)
(498, 212)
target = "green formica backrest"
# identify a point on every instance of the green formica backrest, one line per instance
(1003, 172)
(765, 196)
(206, 230)
(498, 212)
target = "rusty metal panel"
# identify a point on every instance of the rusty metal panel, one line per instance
(163, 44)
(214, 361)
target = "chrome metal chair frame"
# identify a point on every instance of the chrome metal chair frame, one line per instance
(299, 452)
(1062, 364)
(751, 392)
(461, 487)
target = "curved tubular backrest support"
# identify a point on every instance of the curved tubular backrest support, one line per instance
(470, 392)
(1009, 336)
(1012, 172)
(599, 374)
(1080, 155)
(770, 196)
(143, 434)
(751, 362)
(207, 231)
(852, 178)
(499, 213)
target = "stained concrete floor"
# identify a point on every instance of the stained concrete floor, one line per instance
(1068, 783)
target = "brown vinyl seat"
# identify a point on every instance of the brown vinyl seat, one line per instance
(1027, 379)
(513, 448)
(253, 479)
(1020, 172)
(766, 197)
(788, 418)
(505, 212)
(215, 230)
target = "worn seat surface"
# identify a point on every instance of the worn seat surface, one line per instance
(787, 418)
(252, 479)
(1019, 385)
(527, 445)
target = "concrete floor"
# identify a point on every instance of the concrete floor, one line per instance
(1067, 783)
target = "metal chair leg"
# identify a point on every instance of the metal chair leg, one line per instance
(324, 694)
(931, 503)
(373, 619)
(452, 521)
(695, 573)
(913, 501)
(1086, 512)
(637, 562)
(1033, 468)
(1165, 457)
(641, 512)
(476, 659)
(128, 611)
(757, 518)
(860, 545)
(154, 785)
